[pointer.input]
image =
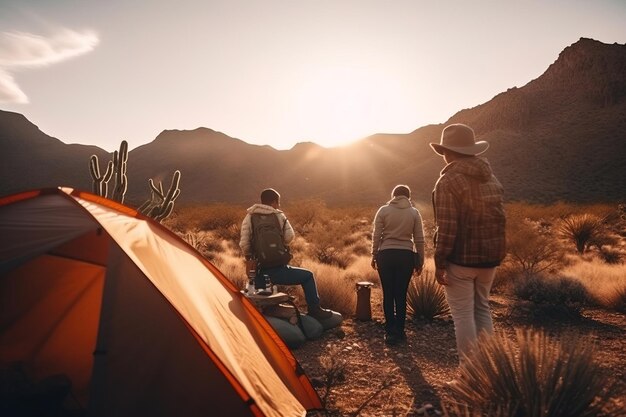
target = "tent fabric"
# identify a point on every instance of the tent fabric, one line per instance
(137, 318)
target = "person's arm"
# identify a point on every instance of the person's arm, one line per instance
(446, 229)
(377, 235)
(245, 237)
(418, 240)
(288, 232)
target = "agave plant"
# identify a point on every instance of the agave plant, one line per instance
(581, 229)
(536, 377)
(425, 298)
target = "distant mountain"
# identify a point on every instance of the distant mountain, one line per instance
(562, 136)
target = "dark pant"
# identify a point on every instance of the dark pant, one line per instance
(395, 268)
(291, 275)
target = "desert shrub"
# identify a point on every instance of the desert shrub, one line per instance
(603, 281)
(425, 298)
(611, 256)
(327, 243)
(581, 230)
(541, 376)
(531, 246)
(616, 300)
(558, 296)
(304, 214)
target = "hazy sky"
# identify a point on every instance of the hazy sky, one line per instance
(276, 72)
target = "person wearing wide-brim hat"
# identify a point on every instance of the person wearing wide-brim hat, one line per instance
(470, 231)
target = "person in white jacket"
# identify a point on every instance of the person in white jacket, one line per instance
(397, 250)
(282, 274)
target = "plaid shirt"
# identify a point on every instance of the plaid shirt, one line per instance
(469, 215)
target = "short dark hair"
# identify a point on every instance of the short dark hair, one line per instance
(269, 196)
(401, 190)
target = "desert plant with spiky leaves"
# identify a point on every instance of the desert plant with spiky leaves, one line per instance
(534, 376)
(425, 298)
(581, 229)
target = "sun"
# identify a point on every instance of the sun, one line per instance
(337, 106)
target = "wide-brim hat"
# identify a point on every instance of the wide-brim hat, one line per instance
(459, 138)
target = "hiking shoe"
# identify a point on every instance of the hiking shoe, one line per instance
(319, 313)
(401, 336)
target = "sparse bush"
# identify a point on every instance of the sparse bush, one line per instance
(617, 300)
(539, 377)
(334, 369)
(531, 247)
(581, 229)
(327, 243)
(603, 281)
(304, 214)
(551, 296)
(611, 256)
(425, 298)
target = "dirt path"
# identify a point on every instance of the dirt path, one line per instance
(414, 373)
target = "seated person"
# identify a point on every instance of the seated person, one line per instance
(268, 220)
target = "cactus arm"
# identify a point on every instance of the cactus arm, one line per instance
(120, 164)
(100, 182)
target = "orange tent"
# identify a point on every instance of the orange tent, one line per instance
(137, 319)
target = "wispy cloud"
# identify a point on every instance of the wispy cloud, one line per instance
(19, 50)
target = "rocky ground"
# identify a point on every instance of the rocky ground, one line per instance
(373, 379)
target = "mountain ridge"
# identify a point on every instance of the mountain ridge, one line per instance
(549, 142)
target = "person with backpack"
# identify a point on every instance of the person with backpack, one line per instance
(265, 236)
(397, 250)
(468, 203)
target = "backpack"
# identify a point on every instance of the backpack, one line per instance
(268, 245)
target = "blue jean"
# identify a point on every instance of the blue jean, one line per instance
(395, 268)
(291, 275)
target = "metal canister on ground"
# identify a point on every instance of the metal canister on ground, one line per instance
(363, 296)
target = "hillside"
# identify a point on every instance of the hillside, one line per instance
(562, 136)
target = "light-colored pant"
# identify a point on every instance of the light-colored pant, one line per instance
(467, 293)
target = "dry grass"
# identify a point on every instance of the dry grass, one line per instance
(606, 283)
(335, 244)
(337, 286)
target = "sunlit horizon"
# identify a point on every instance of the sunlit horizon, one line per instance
(275, 73)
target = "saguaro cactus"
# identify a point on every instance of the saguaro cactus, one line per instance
(100, 182)
(120, 160)
(118, 167)
(160, 204)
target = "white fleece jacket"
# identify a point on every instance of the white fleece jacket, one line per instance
(398, 225)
